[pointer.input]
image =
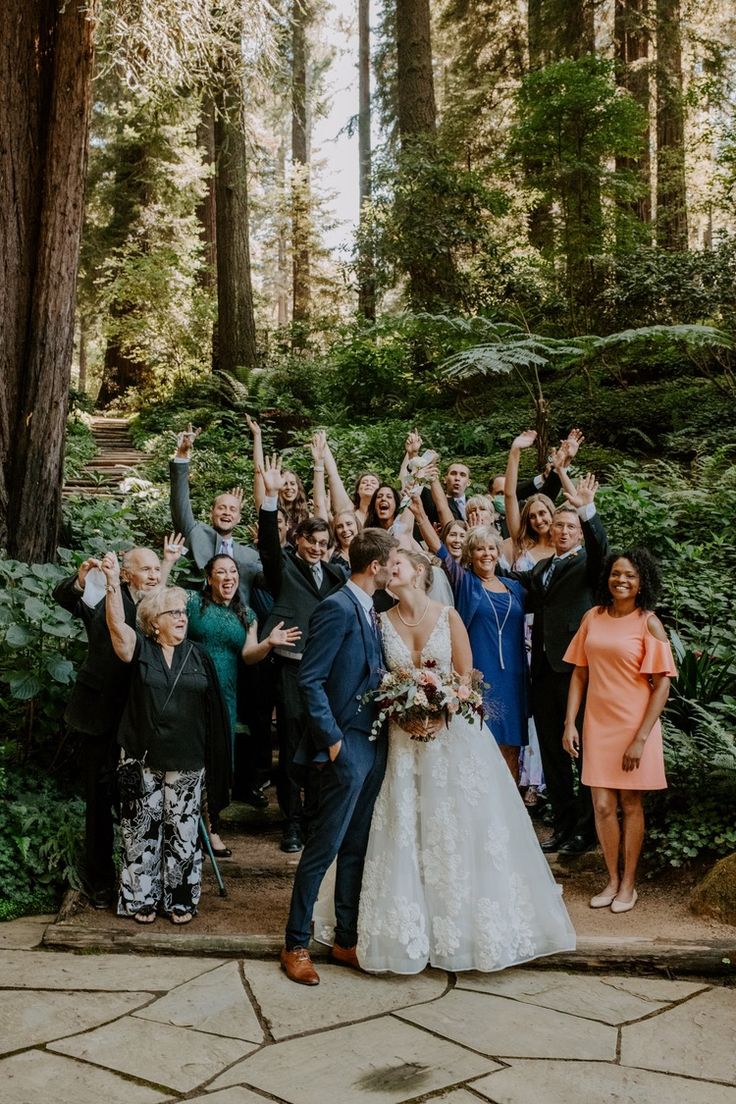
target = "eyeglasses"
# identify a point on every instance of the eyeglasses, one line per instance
(314, 543)
(174, 613)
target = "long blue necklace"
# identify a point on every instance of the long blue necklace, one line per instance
(500, 626)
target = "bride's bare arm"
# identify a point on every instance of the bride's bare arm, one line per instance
(462, 656)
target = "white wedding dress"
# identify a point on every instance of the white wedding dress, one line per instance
(454, 875)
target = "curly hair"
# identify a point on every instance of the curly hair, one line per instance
(649, 578)
(371, 520)
(152, 606)
(298, 510)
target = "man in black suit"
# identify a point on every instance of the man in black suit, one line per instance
(457, 479)
(560, 590)
(298, 579)
(96, 705)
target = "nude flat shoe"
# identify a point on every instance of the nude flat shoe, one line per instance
(602, 900)
(624, 906)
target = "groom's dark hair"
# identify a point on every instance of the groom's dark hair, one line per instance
(369, 545)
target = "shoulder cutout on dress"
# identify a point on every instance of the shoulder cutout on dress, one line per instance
(656, 628)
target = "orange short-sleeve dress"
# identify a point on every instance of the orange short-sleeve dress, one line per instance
(620, 654)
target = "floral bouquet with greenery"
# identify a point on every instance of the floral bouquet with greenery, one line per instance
(409, 694)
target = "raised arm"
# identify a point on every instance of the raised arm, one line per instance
(68, 593)
(511, 502)
(441, 505)
(122, 636)
(319, 493)
(412, 448)
(258, 488)
(339, 497)
(594, 535)
(428, 531)
(173, 551)
(269, 548)
(181, 507)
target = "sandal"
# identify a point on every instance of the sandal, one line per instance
(181, 915)
(146, 915)
(531, 797)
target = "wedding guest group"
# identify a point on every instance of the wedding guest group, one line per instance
(339, 597)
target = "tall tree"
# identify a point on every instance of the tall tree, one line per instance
(432, 282)
(631, 46)
(235, 348)
(671, 224)
(300, 156)
(367, 279)
(207, 205)
(46, 56)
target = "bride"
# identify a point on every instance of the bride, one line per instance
(453, 875)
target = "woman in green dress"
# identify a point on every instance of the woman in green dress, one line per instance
(228, 632)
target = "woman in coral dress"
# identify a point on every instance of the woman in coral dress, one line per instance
(622, 655)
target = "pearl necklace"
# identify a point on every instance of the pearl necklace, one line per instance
(413, 624)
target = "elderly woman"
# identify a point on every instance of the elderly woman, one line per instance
(175, 724)
(623, 659)
(492, 610)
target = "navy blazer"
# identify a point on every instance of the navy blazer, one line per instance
(343, 661)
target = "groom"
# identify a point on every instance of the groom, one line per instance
(342, 661)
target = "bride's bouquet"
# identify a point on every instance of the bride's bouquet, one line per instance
(409, 694)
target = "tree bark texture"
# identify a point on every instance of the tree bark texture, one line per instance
(631, 44)
(206, 208)
(46, 56)
(236, 350)
(671, 224)
(559, 29)
(367, 282)
(416, 101)
(539, 219)
(300, 156)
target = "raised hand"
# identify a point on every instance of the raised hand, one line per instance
(415, 503)
(585, 491)
(174, 548)
(273, 479)
(84, 570)
(239, 493)
(185, 441)
(283, 638)
(525, 439)
(572, 443)
(413, 443)
(318, 446)
(110, 567)
(253, 426)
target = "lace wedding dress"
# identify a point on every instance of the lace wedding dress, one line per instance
(453, 874)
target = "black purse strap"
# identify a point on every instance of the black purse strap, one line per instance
(173, 685)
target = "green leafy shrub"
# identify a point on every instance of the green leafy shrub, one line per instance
(40, 643)
(80, 447)
(41, 829)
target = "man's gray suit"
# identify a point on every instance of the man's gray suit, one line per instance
(204, 541)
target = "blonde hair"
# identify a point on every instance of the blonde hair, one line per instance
(480, 502)
(417, 560)
(152, 606)
(527, 537)
(482, 534)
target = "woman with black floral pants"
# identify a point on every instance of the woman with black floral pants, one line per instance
(174, 723)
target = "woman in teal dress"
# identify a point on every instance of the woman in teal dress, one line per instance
(228, 632)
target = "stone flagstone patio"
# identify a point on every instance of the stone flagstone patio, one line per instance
(133, 1029)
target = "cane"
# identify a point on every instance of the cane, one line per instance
(208, 847)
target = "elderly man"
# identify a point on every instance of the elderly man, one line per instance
(206, 541)
(97, 701)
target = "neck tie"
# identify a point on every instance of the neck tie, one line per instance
(226, 547)
(460, 503)
(375, 624)
(317, 572)
(549, 572)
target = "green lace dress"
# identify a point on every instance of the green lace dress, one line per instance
(222, 635)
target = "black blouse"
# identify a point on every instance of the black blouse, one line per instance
(172, 735)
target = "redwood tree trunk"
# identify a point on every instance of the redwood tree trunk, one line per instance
(416, 102)
(671, 192)
(300, 203)
(632, 51)
(46, 55)
(206, 208)
(367, 282)
(236, 350)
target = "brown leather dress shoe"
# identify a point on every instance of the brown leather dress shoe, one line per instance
(297, 965)
(345, 956)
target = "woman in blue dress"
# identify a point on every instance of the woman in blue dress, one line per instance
(492, 609)
(228, 632)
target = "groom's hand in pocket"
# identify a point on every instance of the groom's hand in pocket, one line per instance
(334, 750)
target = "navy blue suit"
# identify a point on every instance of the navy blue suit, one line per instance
(343, 660)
